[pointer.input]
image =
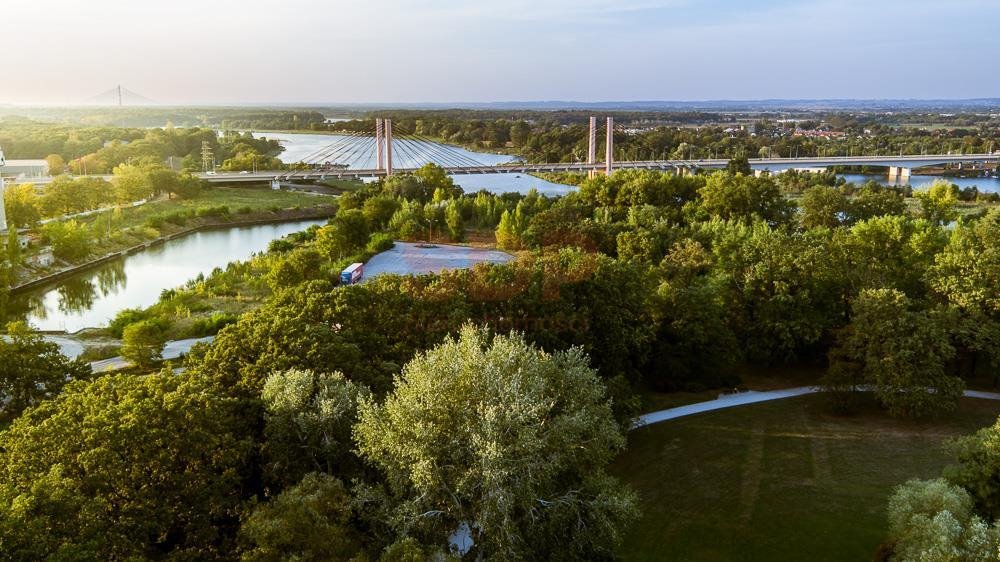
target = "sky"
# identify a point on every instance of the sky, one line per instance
(397, 51)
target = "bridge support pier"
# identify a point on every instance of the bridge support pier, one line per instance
(899, 174)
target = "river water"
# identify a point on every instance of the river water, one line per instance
(93, 297)
(990, 185)
(413, 154)
(299, 146)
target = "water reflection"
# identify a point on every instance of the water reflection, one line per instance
(112, 277)
(76, 295)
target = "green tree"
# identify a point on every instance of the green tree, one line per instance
(823, 206)
(310, 522)
(978, 469)
(967, 271)
(938, 202)
(308, 421)
(299, 265)
(434, 177)
(888, 252)
(739, 165)
(902, 351)
(875, 200)
(508, 238)
(22, 205)
(123, 467)
(142, 343)
(132, 182)
(379, 210)
(31, 370)
(56, 164)
(486, 435)
(70, 240)
(453, 220)
(739, 197)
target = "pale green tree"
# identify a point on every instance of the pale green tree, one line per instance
(308, 421)
(933, 521)
(505, 441)
(938, 202)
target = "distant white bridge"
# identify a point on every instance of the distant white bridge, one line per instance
(900, 167)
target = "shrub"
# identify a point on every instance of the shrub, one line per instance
(380, 242)
(217, 211)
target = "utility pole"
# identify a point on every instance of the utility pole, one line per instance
(207, 158)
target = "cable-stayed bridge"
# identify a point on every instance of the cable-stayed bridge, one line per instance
(119, 96)
(385, 149)
(382, 151)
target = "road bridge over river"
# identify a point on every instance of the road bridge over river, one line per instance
(383, 151)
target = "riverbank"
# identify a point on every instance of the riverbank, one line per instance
(205, 223)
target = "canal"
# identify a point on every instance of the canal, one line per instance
(93, 297)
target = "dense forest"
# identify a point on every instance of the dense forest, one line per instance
(394, 419)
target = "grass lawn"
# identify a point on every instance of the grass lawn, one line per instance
(256, 199)
(784, 480)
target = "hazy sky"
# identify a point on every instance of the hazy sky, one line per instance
(190, 51)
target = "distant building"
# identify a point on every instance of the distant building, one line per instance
(17, 169)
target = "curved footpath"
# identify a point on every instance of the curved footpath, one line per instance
(752, 397)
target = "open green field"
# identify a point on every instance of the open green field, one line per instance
(236, 198)
(784, 480)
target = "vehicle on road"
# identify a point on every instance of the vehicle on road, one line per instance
(352, 274)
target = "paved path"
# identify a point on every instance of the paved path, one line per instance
(67, 346)
(172, 350)
(406, 258)
(752, 397)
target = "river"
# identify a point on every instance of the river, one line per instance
(93, 297)
(299, 146)
(988, 185)
(302, 145)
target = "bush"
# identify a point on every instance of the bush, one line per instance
(218, 211)
(125, 317)
(245, 210)
(210, 325)
(280, 245)
(380, 242)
